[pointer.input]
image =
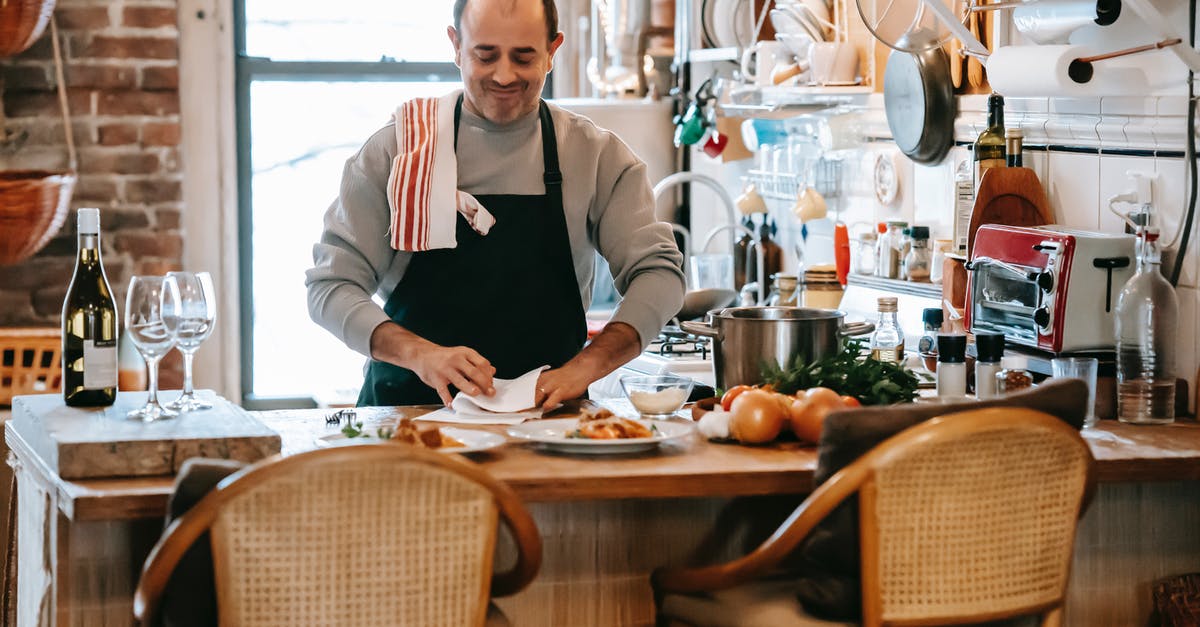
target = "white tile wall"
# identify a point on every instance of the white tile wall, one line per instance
(1073, 188)
(1170, 200)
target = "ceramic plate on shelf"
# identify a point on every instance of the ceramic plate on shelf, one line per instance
(473, 440)
(731, 23)
(555, 435)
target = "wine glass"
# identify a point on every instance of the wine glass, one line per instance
(189, 315)
(144, 324)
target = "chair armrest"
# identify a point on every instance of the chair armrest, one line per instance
(529, 546)
(771, 552)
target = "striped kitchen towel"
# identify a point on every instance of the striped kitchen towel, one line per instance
(422, 187)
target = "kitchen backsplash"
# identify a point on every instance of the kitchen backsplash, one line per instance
(1081, 150)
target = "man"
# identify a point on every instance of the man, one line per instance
(503, 303)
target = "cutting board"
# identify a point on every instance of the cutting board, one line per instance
(88, 443)
(1009, 196)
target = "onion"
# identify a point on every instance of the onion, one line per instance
(757, 417)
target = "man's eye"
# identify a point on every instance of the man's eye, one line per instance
(487, 59)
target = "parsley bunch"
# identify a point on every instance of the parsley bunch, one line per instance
(871, 381)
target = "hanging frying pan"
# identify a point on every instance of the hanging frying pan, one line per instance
(918, 97)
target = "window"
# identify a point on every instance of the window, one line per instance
(314, 81)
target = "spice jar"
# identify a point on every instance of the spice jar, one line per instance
(822, 290)
(865, 254)
(783, 290)
(916, 262)
(1011, 380)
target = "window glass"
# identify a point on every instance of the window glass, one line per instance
(348, 30)
(302, 133)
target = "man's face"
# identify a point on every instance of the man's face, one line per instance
(504, 55)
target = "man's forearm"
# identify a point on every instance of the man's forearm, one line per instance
(612, 348)
(396, 345)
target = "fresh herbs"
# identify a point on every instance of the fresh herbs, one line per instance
(355, 430)
(871, 381)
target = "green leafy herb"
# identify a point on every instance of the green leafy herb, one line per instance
(353, 430)
(871, 381)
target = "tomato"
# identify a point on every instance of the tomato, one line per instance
(808, 413)
(850, 401)
(732, 393)
(757, 417)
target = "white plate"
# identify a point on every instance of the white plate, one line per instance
(731, 24)
(473, 439)
(553, 434)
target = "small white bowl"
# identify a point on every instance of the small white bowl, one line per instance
(657, 396)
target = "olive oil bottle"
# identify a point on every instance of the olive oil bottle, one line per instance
(989, 149)
(89, 325)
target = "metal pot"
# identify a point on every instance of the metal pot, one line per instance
(747, 338)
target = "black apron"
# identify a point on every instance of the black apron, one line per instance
(512, 295)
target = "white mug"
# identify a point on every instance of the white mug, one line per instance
(764, 56)
(833, 62)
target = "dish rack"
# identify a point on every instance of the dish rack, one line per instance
(826, 178)
(29, 362)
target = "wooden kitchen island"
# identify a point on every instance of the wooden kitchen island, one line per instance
(607, 522)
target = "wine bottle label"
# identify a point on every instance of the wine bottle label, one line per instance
(99, 364)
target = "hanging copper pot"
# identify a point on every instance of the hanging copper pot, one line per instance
(21, 23)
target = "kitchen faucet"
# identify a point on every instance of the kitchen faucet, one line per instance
(731, 225)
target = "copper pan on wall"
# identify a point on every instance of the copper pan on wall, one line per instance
(21, 23)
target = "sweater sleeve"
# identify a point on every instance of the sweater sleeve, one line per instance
(641, 252)
(353, 253)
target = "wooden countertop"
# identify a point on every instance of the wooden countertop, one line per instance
(693, 468)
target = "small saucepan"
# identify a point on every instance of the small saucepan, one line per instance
(747, 338)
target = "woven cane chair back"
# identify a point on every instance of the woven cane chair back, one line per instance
(973, 522)
(356, 544)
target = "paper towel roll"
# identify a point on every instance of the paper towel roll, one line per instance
(1053, 21)
(1042, 71)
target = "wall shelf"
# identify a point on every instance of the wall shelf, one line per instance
(928, 290)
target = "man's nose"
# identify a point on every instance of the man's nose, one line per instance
(504, 73)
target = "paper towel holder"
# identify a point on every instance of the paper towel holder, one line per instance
(1081, 71)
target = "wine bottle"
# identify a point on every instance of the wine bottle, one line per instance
(89, 352)
(989, 149)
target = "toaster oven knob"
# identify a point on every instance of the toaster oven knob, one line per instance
(1045, 280)
(1041, 317)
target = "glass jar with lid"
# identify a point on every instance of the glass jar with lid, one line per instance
(891, 250)
(917, 261)
(784, 292)
(865, 254)
(821, 289)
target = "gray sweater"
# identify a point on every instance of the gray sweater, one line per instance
(607, 201)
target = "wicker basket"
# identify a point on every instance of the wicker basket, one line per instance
(21, 23)
(33, 206)
(29, 362)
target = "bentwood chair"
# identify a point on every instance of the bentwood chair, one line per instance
(362, 535)
(964, 518)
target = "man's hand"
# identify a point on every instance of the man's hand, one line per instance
(614, 346)
(437, 366)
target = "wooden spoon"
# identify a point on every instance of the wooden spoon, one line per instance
(974, 66)
(952, 50)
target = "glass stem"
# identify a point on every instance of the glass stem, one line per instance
(187, 374)
(152, 367)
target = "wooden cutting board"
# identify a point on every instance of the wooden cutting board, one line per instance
(85, 443)
(1009, 196)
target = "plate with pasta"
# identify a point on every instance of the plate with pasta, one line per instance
(600, 433)
(441, 439)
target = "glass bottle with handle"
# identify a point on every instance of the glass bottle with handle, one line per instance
(189, 314)
(89, 324)
(1147, 314)
(144, 305)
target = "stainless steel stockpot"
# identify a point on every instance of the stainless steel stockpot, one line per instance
(747, 338)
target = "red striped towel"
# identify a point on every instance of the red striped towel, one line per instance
(423, 186)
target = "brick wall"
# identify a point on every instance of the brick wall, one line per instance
(121, 65)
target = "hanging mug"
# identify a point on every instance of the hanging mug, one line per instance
(714, 144)
(690, 127)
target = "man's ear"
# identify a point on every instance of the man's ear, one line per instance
(554, 45)
(453, 35)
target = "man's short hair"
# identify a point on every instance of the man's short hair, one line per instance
(548, 8)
